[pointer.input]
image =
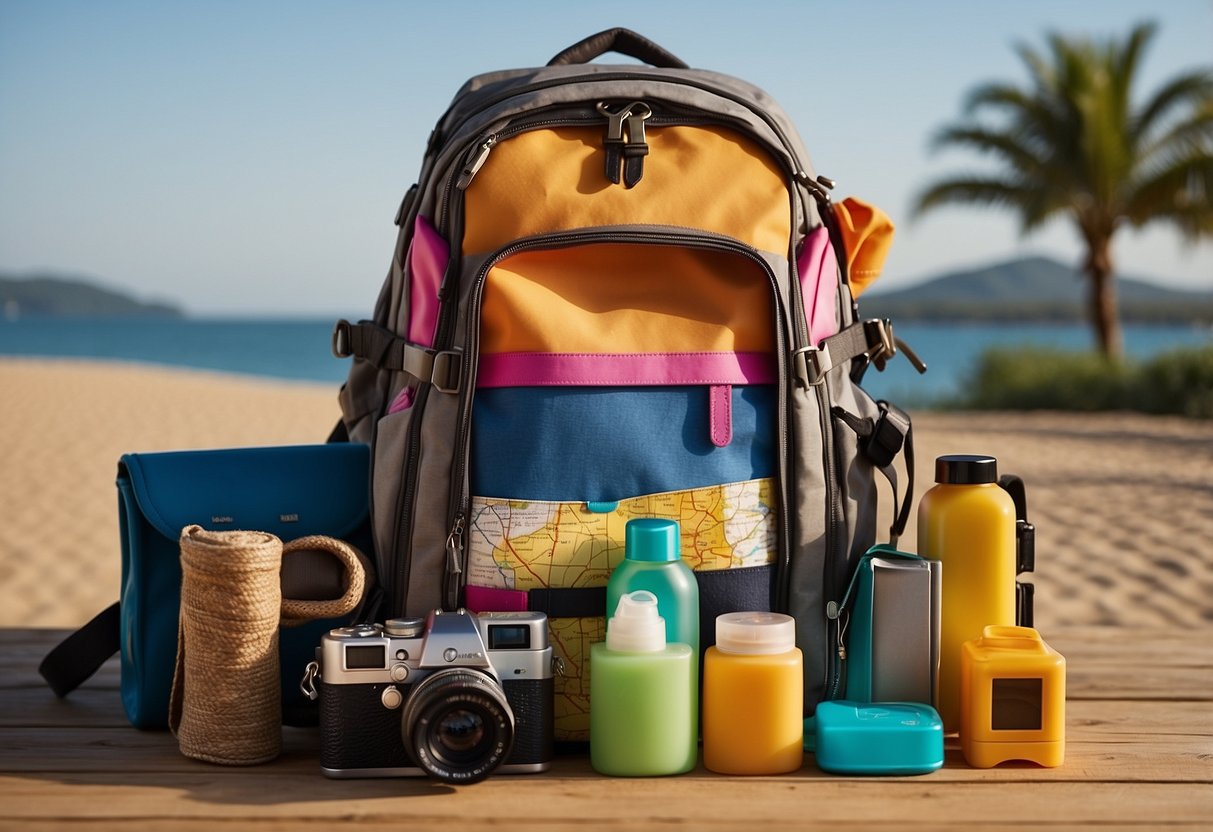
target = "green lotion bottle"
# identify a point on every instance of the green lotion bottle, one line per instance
(643, 719)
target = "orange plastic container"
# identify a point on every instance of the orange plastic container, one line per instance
(753, 696)
(1012, 699)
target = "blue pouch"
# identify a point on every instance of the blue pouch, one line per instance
(290, 491)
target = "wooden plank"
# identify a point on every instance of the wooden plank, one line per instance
(1102, 662)
(1140, 755)
(107, 677)
(1167, 759)
(1145, 665)
(1130, 648)
(1107, 741)
(695, 801)
(85, 707)
(580, 825)
(379, 824)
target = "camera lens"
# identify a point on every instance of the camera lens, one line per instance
(457, 725)
(460, 733)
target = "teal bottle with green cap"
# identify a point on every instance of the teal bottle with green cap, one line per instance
(653, 562)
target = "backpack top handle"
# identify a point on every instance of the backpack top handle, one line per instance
(623, 41)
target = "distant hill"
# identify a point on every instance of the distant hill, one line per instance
(63, 297)
(1032, 289)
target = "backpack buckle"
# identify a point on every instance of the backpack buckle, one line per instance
(447, 372)
(811, 364)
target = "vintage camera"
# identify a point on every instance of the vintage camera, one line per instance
(455, 695)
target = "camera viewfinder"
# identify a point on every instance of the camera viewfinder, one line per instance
(509, 637)
(365, 657)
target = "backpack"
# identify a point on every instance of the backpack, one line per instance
(620, 291)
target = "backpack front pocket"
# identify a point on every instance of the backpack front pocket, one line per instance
(617, 376)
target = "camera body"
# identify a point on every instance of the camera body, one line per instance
(456, 695)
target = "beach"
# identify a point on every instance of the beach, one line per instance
(1122, 503)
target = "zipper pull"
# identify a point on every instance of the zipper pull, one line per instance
(636, 147)
(820, 187)
(454, 564)
(836, 613)
(614, 141)
(454, 547)
(475, 162)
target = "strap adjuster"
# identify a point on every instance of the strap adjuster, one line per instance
(811, 364)
(879, 333)
(342, 348)
(447, 372)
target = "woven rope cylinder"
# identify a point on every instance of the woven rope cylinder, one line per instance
(226, 701)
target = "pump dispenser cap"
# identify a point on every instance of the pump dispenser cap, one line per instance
(636, 627)
(755, 632)
(966, 469)
(651, 539)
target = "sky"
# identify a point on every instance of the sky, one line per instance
(247, 158)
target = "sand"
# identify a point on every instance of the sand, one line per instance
(1123, 503)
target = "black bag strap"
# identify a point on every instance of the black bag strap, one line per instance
(1025, 532)
(568, 602)
(75, 659)
(623, 41)
(881, 440)
(340, 433)
(1025, 549)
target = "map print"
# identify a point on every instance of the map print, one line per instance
(524, 545)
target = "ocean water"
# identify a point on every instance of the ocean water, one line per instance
(286, 349)
(300, 349)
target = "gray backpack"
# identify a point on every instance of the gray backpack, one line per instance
(620, 291)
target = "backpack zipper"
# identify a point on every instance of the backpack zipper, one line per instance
(505, 95)
(458, 498)
(404, 504)
(480, 147)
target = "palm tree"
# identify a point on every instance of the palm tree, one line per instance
(1073, 142)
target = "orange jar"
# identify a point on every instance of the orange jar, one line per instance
(753, 696)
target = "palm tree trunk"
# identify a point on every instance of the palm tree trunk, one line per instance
(1105, 316)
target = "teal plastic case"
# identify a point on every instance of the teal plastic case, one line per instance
(878, 738)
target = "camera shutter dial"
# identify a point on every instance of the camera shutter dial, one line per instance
(404, 627)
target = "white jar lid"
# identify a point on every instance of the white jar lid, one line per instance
(755, 632)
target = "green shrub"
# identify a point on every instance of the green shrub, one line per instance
(1036, 378)
(1179, 382)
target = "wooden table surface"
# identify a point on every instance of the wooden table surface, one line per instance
(1139, 755)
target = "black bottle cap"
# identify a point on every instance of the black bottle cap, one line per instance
(966, 469)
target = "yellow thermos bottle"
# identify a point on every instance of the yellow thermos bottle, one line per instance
(967, 522)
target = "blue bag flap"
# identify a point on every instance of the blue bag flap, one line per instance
(272, 489)
(290, 491)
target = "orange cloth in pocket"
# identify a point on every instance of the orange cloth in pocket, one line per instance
(867, 235)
